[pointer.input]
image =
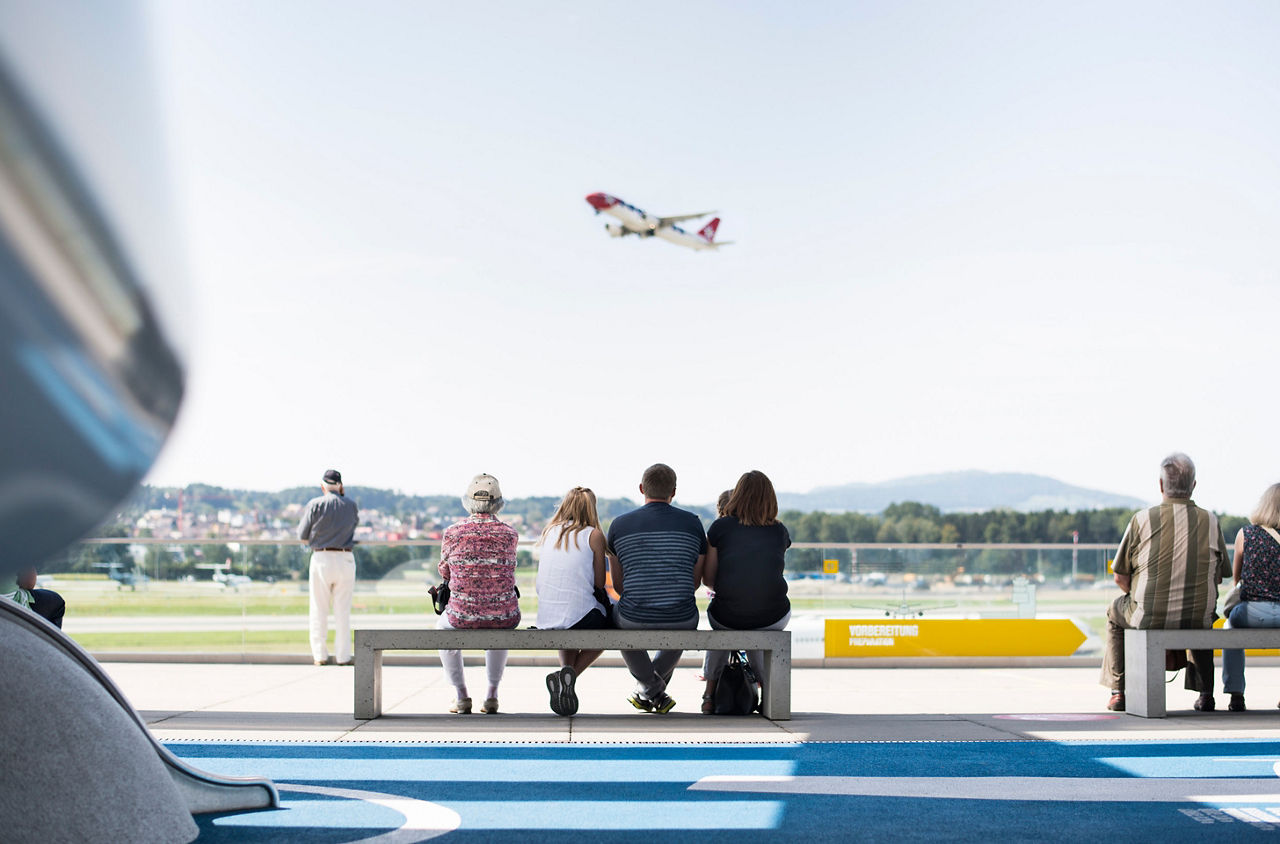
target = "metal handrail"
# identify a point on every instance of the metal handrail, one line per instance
(847, 546)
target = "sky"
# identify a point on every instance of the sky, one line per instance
(1004, 236)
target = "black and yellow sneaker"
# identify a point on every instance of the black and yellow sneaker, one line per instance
(641, 703)
(663, 703)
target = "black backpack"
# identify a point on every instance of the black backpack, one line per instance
(736, 692)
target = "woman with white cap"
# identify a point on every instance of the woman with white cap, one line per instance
(478, 561)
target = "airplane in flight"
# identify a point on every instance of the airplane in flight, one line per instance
(637, 222)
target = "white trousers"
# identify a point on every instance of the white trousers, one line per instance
(495, 662)
(332, 580)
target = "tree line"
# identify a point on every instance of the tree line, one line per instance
(905, 522)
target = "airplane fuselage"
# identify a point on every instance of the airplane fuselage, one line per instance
(636, 221)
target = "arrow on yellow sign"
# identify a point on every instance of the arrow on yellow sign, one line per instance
(952, 637)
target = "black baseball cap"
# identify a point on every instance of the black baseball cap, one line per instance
(332, 476)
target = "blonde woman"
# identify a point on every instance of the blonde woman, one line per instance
(571, 566)
(1257, 569)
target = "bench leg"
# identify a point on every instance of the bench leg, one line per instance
(776, 705)
(1144, 678)
(368, 680)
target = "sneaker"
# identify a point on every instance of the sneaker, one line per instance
(641, 703)
(1237, 702)
(1116, 704)
(461, 706)
(490, 706)
(351, 661)
(1205, 703)
(553, 686)
(663, 703)
(568, 697)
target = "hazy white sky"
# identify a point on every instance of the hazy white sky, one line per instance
(993, 235)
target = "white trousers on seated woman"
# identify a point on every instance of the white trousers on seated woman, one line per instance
(495, 662)
(715, 661)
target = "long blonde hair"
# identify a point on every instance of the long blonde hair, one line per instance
(1267, 513)
(576, 513)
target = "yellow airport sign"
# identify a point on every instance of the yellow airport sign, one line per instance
(830, 566)
(952, 637)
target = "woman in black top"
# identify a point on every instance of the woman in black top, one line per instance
(745, 558)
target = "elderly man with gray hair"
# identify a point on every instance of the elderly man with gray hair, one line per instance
(1169, 564)
(328, 526)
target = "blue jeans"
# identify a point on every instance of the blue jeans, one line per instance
(1246, 614)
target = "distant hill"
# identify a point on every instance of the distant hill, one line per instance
(971, 491)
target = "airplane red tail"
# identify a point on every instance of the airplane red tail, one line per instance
(708, 232)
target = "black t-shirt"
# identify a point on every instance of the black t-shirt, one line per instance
(750, 589)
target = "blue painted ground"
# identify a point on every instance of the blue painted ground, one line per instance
(535, 793)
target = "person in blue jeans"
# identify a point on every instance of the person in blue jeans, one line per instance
(1257, 570)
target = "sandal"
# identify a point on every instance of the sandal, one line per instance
(709, 704)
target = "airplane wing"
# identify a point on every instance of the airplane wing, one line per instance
(680, 218)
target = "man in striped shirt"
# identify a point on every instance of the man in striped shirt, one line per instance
(660, 551)
(1169, 564)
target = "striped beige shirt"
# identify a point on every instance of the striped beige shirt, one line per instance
(1176, 557)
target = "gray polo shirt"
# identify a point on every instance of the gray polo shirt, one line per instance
(329, 521)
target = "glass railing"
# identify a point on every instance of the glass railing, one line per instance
(250, 596)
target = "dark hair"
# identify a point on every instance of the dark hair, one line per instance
(659, 481)
(753, 501)
(722, 503)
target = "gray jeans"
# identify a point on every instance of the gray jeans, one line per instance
(715, 661)
(652, 674)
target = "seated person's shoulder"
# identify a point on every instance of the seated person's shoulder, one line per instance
(692, 518)
(623, 521)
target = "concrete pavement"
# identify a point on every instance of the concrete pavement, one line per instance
(274, 702)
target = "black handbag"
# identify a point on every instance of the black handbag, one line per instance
(440, 597)
(606, 606)
(736, 690)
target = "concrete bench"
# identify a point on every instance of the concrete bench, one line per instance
(776, 644)
(1144, 659)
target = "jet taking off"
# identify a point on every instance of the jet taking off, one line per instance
(637, 222)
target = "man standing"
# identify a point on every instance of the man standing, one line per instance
(660, 550)
(1169, 564)
(328, 526)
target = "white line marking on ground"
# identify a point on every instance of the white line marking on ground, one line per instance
(422, 820)
(1079, 789)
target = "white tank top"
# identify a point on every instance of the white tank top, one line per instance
(566, 580)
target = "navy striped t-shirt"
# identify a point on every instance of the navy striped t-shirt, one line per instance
(657, 547)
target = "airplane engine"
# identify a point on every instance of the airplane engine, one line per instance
(615, 229)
